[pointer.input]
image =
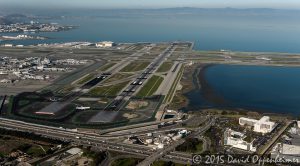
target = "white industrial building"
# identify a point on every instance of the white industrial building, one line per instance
(105, 44)
(264, 125)
(236, 140)
(287, 149)
(287, 152)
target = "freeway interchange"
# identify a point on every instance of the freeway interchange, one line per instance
(105, 143)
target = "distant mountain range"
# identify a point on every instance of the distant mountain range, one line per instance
(185, 11)
(224, 9)
(215, 10)
(190, 10)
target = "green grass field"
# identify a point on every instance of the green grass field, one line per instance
(112, 90)
(118, 76)
(85, 79)
(135, 66)
(150, 87)
(37, 151)
(107, 66)
(165, 67)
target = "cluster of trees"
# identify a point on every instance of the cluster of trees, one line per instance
(190, 145)
(97, 156)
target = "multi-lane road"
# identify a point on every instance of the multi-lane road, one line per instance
(99, 141)
(160, 153)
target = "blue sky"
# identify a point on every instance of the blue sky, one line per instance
(295, 4)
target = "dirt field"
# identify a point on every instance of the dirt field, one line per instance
(137, 105)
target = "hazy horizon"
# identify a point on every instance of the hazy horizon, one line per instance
(146, 4)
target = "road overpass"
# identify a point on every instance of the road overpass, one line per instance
(89, 139)
(160, 153)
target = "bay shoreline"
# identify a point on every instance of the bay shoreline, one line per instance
(208, 93)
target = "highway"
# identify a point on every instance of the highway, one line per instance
(160, 153)
(88, 139)
(150, 159)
